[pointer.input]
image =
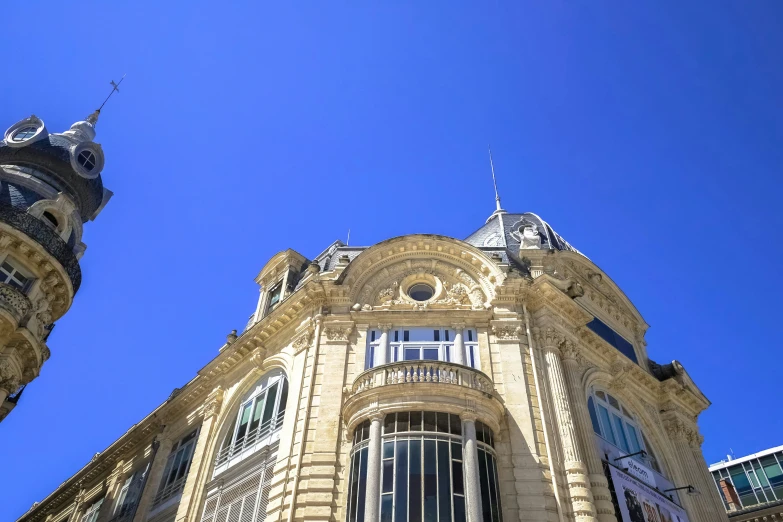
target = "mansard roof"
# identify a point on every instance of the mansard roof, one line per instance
(502, 229)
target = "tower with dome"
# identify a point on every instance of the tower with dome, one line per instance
(50, 186)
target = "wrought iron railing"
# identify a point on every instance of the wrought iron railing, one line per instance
(169, 491)
(423, 372)
(47, 238)
(259, 437)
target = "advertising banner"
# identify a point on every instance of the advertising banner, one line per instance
(641, 503)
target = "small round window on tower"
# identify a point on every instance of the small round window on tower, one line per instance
(421, 292)
(25, 133)
(51, 219)
(87, 160)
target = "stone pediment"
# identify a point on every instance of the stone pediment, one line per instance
(460, 276)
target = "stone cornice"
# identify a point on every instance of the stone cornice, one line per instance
(547, 299)
(189, 397)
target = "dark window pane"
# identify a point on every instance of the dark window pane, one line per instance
(271, 398)
(429, 421)
(412, 354)
(436, 335)
(430, 482)
(456, 450)
(353, 488)
(401, 487)
(372, 336)
(493, 492)
(443, 422)
(388, 423)
(593, 415)
(386, 508)
(613, 338)
(430, 354)
(402, 421)
(446, 335)
(388, 476)
(444, 484)
(470, 336)
(456, 425)
(459, 509)
(396, 336)
(414, 487)
(456, 477)
(388, 450)
(415, 421)
(283, 396)
(486, 507)
(362, 485)
(406, 336)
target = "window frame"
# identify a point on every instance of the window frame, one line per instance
(17, 268)
(234, 449)
(399, 341)
(602, 402)
(92, 513)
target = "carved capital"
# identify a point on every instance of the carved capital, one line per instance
(384, 327)
(303, 341)
(458, 326)
(681, 431)
(338, 331)
(213, 403)
(507, 330)
(548, 338)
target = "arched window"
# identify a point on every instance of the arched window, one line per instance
(422, 476)
(258, 422)
(617, 426)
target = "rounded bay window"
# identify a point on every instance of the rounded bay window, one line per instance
(423, 475)
(257, 423)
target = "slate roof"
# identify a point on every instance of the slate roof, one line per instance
(51, 155)
(505, 225)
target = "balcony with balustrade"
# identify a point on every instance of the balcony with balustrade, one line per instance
(421, 384)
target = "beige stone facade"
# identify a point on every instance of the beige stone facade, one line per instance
(290, 421)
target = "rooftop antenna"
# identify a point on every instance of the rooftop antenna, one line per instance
(347, 241)
(494, 182)
(93, 118)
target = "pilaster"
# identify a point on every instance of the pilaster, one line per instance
(549, 339)
(164, 444)
(193, 490)
(602, 496)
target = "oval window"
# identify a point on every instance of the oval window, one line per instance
(421, 292)
(25, 133)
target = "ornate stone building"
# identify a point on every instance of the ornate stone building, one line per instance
(498, 378)
(50, 185)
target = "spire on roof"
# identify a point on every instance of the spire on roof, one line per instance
(498, 208)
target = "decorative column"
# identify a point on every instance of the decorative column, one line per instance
(155, 474)
(602, 496)
(682, 435)
(470, 461)
(458, 353)
(373, 495)
(383, 345)
(713, 500)
(549, 341)
(193, 489)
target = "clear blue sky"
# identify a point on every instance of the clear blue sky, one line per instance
(647, 133)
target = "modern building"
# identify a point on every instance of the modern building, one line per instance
(50, 185)
(751, 487)
(503, 377)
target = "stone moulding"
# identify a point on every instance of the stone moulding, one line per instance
(36, 230)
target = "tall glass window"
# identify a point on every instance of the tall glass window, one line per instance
(428, 344)
(615, 424)
(176, 470)
(259, 419)
(422, 473)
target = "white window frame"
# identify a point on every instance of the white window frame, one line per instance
(230, 453)
(445, 345)
(17, 268)
(171, 485)
(92, 512)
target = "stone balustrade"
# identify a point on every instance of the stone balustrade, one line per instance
(425, 372)
(14, 301)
